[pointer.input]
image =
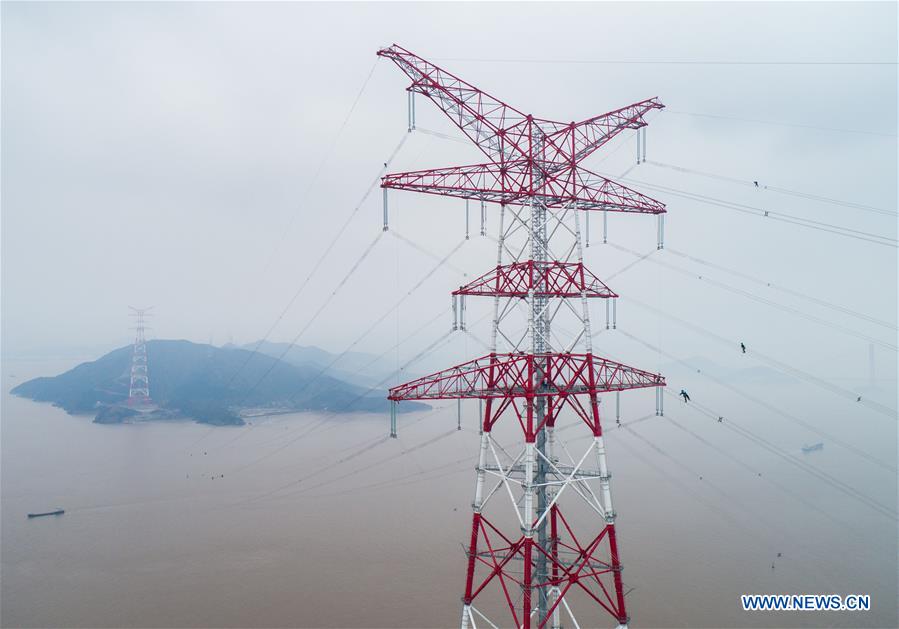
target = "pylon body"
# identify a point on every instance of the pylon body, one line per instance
(139, 388)
(559, 560)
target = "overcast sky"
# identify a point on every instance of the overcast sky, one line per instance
(194, 157)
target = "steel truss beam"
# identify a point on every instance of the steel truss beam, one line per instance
(516, 375)
(512, 183)
(549, 279)
(534, 174)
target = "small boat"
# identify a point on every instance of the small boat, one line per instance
(40, 515)
(812, 448)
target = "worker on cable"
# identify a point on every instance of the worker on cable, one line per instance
(743, 347)
(684, 395)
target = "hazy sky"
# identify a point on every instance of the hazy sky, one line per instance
(192, 157)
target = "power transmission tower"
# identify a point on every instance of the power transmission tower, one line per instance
(139, 389)
(546, 566)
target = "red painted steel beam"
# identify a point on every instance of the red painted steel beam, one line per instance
(498, 376)
(494, 557)
(511, 184)
(546, 279)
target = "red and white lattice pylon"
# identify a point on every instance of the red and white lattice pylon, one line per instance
(559, 562)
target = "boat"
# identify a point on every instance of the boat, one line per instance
(40, 515)
(812, 448)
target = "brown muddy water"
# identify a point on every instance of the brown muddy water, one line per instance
(304, 521)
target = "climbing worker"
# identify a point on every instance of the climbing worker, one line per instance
(743, 346)
(859, 399)
(756, 183)
(720, 419)
(684, 395)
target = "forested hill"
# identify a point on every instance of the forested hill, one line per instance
(199, 381)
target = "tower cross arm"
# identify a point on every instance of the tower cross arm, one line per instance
(499, 130)
(501, 376)
(485, 182)
(511, 183)
(576, 141)
(595, 192)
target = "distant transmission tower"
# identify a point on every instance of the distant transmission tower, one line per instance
(139, 390)
(543, 560)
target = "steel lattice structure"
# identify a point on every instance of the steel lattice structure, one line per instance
(547, 565)
(139, 389)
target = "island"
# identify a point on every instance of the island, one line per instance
(211, 385)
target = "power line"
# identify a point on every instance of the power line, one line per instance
(730, 456)
(780, 124)
(324, 160)
(315, 316)
(382, 318)
(789, 291)
(324, 419)
(774, 409)
(692, 62)
(319, 261)
(774, 215)
(755, 184)
(835, 482)
(780, 366)
(762, 300)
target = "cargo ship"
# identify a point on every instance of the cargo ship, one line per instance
(40, 515)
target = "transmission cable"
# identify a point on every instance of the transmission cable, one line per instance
(763, 300)
(858, 452)
(381, 319)
(320, 260)
(789, 291)
(780, 366)
(779, 124)
(834, 482)
(839, 230)
(324, 160)
(755, 184)
(315, 316)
